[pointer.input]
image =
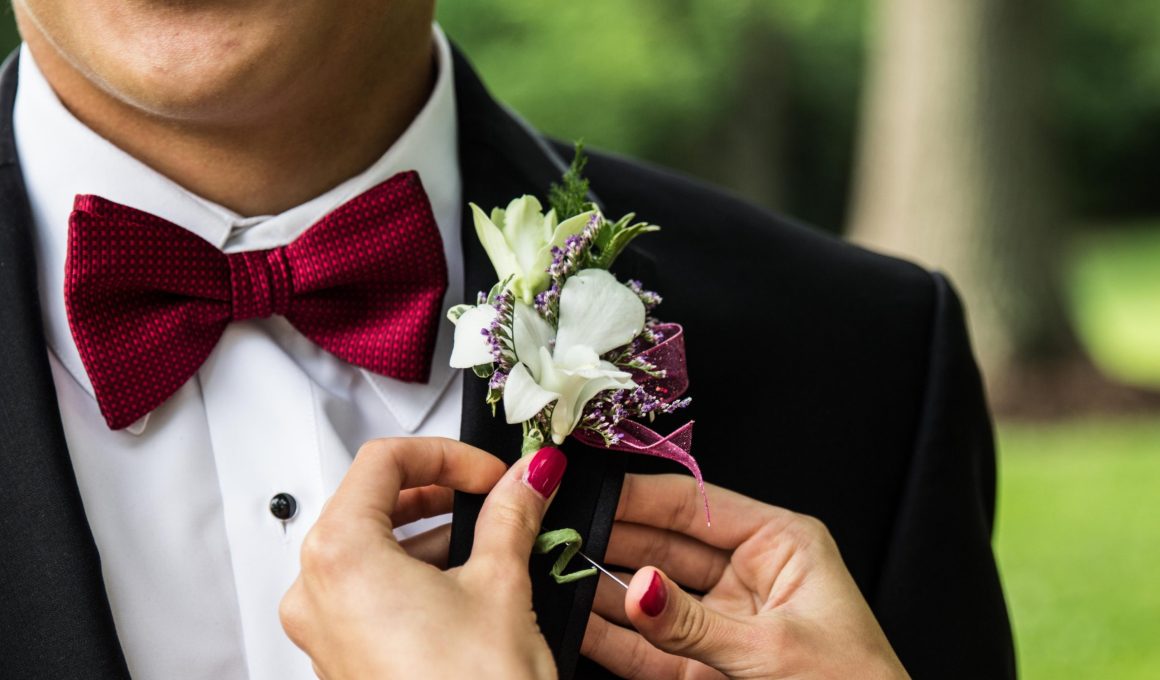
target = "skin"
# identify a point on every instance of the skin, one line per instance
(258, 105)
(778, 603)
(778, 600)
(473, 621)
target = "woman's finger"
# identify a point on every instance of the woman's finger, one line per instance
(422, 502)
(384, 467)
(430, 546)
(609, 601)
(628, 655)
(674, 502)
(677, 623)
(686, 560)
(510, 518)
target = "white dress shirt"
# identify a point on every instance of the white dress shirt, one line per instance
(193, 561)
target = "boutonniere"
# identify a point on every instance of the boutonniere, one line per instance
(566, 347)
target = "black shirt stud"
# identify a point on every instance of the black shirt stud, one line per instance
(283, 506)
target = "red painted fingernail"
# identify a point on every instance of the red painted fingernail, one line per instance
(546, 470)
(653, 601)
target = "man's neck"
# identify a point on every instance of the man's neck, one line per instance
(274, 159)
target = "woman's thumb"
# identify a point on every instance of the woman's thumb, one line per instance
(675, 622)
(510, 518)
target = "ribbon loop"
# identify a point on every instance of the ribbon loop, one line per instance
(669, 382)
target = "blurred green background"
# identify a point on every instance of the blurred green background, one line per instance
(1013, 144)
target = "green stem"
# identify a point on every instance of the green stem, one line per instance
(570, 539)
(533, 440)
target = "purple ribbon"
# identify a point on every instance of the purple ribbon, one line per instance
(668, 356)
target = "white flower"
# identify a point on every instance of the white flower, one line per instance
(519, 242)
(597, 314)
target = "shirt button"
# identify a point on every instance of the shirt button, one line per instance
(283, 506)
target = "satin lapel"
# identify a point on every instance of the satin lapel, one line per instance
(54, 616)
(501, 159)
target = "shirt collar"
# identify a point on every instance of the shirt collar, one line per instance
(60, 157)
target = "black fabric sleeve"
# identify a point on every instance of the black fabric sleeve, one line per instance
(939, 599)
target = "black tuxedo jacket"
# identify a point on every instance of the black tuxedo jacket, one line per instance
(825, 379)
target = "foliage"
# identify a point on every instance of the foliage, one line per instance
(1114, 289)
(664, 80)
(9, 38)
(569, 198)
(661, 79)
(1108, 98)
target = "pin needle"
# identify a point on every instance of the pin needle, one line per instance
(604, 571)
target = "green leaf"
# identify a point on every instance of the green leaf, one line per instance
(603, 235)
(457, 311)
(620, 239)
(496, 290)
(570, 197)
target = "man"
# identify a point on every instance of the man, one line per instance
(825, 379)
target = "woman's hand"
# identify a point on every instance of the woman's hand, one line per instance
(778, 601)
(365, 606)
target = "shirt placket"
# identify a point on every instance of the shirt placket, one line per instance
(261, 414)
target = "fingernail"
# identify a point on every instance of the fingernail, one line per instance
(653, 601)
(546, 470)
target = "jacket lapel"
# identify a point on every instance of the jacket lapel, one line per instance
(501, 159)
(54, 616)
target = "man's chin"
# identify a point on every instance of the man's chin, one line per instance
(200, 88)
(181, 60)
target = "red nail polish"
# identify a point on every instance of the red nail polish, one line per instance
(546, 470)
(653, 601)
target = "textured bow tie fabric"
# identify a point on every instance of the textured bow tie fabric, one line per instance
(147, 300)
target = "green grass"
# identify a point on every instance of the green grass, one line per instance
(1078, 527)
(1078, 544)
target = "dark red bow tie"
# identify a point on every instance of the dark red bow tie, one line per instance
(148, 300)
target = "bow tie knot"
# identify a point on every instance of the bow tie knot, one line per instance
(260, 283)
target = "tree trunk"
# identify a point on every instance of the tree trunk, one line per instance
(953, 170)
